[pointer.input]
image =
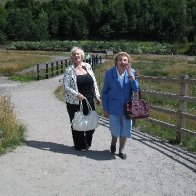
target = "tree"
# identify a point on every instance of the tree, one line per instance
(19, 23)
(174, 21)
(118, 20)
(105, 32)
(191, 20)
(79, 29)
(54, 24)
(64, 27)
(3, 36)
(40, 27)
(2, 19)
(93, 16)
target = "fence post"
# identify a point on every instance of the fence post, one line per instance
(57, 68)
(93, 61)
(66, 63)
(182, 106)
(38, 71)
(61, 66)
(100, 60)
(52, 69)
(96, 59)
(46, 70)
(89, 61)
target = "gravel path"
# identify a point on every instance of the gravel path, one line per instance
(47, 165)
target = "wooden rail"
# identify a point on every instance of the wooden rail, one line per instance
(51, 69)
(182, 97)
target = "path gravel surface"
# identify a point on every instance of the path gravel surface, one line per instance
(47, 164)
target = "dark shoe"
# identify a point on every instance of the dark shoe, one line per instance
(113, 149)
(84, 150)
(122, 155)
(81, 149)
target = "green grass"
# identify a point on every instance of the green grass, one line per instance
(13, 62)
(11, 131)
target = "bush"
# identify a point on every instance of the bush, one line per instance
(11, 131)
(132, 47)
(3, 38)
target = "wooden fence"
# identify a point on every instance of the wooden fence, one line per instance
(51, 69)
(58, 67)
(182, 98)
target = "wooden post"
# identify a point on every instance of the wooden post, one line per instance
(46, 70)
(38, 71)
(96, 59)
(100, 60)
(57, 68)
(93, 61)
(66, 63)
(182, 107)
(52, 69)
(61, 66)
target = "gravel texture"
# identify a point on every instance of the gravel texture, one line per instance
(47, 164)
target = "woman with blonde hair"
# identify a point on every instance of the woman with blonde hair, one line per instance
(80, 84)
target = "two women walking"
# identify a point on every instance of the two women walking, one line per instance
(119, 84)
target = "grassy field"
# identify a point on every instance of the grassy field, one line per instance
(12, 62)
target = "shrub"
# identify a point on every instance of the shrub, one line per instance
(11, 131)
(3, 38)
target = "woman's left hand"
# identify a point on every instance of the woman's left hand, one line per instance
(98, 101)
(80, 96)
(131, 76)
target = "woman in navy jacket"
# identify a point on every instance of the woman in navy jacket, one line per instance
(119, 85)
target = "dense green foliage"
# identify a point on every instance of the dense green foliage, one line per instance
(132, 47)
(165, 21)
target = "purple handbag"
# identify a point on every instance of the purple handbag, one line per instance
(136, 109)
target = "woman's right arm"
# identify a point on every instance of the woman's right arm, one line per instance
(70, 86)
(69, 83)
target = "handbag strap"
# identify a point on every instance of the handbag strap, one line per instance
(88, 105)
(137, 95)
(140, 93)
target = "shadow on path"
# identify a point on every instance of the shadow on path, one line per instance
(60, 148)
(175, 153)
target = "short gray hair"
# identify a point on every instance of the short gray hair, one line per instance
(120, 54)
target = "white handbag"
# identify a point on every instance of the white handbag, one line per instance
(87, 122)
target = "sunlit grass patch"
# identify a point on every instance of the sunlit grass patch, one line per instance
(15, 61)
(11, 131)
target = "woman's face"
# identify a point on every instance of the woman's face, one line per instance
(122, 61)
(76, 56)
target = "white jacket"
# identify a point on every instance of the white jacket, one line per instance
(70, 84)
